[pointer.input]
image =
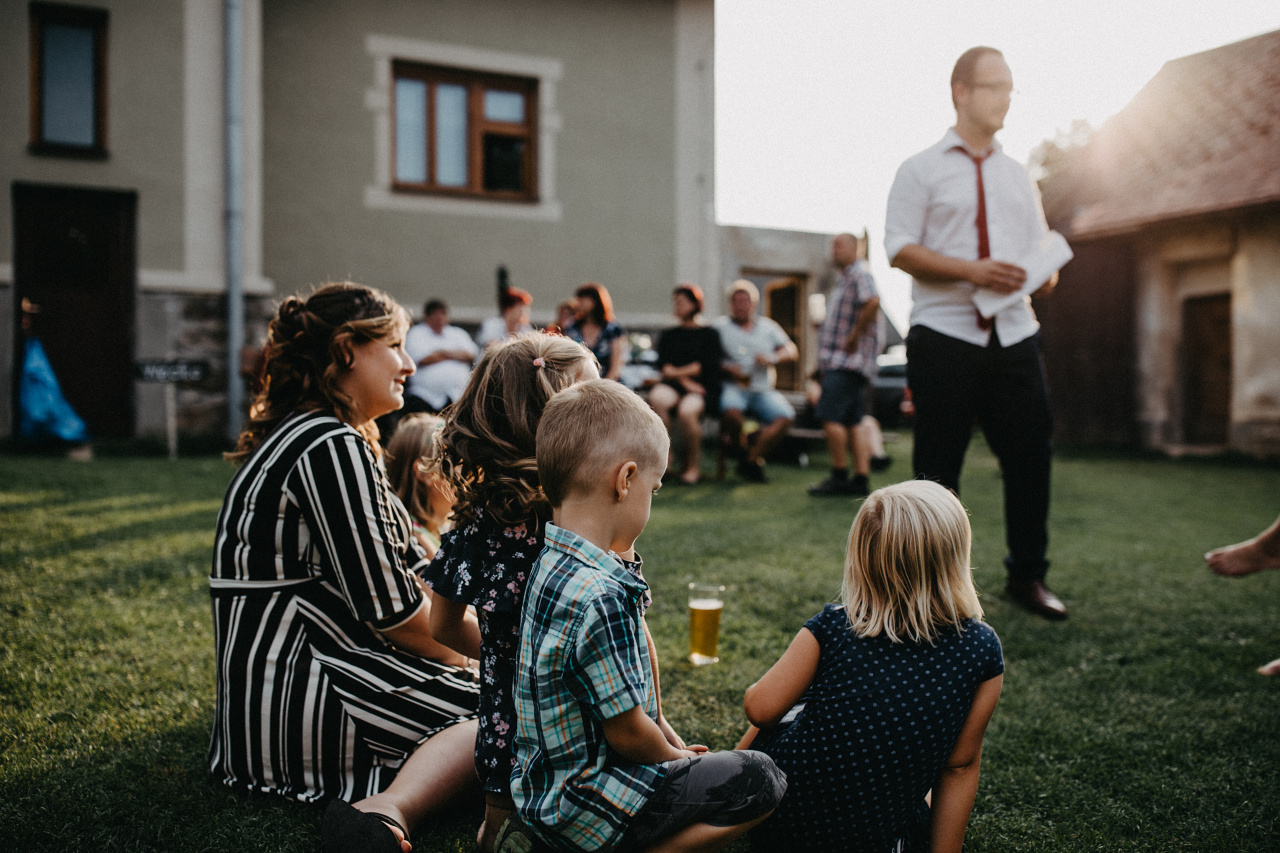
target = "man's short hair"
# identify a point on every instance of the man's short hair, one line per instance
(432, 306)
(589, 428)
(963, 70)
(743, 285)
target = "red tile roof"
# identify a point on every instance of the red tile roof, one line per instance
(1202, 136)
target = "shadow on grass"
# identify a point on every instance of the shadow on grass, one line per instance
(151, 791)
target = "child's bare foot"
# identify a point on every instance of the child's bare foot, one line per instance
(1272, 668)
(1244, 558)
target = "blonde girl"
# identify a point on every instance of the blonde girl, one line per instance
(423, 490)
(877, 710)
(486, 452)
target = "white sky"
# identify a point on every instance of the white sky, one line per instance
(818, 101)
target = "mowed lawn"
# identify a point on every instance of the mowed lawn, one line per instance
(1138, 724)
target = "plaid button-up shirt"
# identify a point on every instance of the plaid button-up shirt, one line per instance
(854, 289)
(583, 659)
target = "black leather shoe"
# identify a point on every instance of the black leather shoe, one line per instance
(752, 472)
(1035, 597)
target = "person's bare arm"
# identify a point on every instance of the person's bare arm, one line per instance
(455, 625)
(748, 737)
(866, 317)
(445, 355)
(637, 738)
(784, 353)
(778, 690)
(617, 357)
(928, 265)
(1047, 288)
(957, 785)
(667, 731)
(688, 371)
(415, 636)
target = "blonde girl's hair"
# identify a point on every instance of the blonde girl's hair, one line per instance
(408, 453)
(309, 343)
(907, 571)
(487, 448)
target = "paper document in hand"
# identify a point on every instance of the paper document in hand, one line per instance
(1050, 254)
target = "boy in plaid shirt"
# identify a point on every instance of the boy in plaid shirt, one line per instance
(596, 766)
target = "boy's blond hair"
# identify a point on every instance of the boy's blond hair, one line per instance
(907, 568)
(589, 428)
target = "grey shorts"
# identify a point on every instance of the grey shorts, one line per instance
(720, 788)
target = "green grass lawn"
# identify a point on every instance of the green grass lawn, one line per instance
(1138, 724)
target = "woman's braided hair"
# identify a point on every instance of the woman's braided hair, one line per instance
(309, 346)
(486, 449)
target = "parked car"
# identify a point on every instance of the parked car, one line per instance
(890, 387)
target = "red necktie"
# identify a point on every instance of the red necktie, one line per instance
(984, 248)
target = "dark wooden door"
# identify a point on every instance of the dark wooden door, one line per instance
(1206, 396)
(782, 304)
(74, 258)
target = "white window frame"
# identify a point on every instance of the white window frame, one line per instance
(380, 195)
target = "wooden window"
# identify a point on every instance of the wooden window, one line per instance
(463, 133)
(68, 80)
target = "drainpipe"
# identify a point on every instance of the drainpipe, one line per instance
(233, 26)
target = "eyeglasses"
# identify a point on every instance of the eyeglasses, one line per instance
(998, 88)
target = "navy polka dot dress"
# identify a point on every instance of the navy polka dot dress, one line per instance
(877, 726)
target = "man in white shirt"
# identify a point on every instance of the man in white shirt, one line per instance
(958, 212)
(753, 345)
(443, 355)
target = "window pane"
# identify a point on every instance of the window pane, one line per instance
(503, 163)
(67, 78)
(411, 131)
(503, 106)
(451, 135)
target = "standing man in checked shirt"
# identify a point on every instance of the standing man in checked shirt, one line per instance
(958, 211)
(848, 344)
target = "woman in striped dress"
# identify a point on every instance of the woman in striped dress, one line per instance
(330, 685)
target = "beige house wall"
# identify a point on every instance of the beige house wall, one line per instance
(164, 136)
(610, 76)
(144, 124)
(165, 141)
(1255, 403)
(1174, 264)
(626, 141)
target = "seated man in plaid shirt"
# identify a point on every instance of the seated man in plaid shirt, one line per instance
(596, 766)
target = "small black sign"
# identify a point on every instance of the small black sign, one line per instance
(171, 370)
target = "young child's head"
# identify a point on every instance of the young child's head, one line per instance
(598, 441)
(487, 446)
(907, 568)
(413, 475)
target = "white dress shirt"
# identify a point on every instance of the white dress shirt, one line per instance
(934, 203)
(440, 383)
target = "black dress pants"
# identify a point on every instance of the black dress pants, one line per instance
(955, 384)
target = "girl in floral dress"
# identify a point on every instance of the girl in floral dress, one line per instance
(486, 451)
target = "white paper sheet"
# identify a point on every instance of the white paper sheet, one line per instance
(1048, 256)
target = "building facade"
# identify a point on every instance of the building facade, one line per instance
(413, 146)
(1165, 329)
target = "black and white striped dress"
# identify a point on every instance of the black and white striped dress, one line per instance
(313, 553)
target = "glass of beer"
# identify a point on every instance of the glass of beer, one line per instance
(706, 601)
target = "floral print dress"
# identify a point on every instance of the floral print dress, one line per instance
(486, 563)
